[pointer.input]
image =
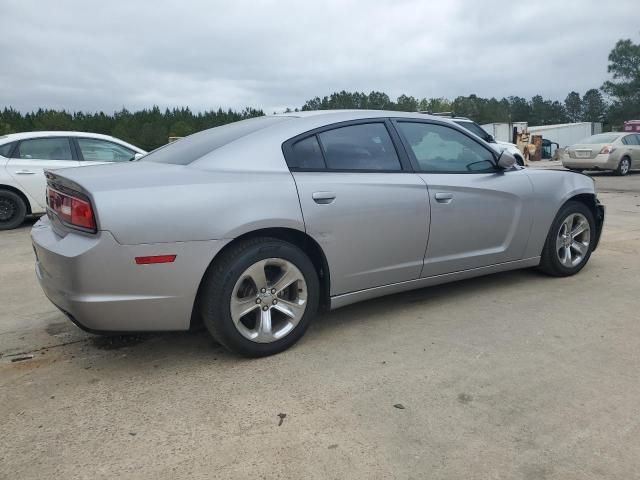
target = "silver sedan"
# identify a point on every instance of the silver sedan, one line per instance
(254, 227)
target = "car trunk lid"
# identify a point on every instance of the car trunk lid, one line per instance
(585, 151)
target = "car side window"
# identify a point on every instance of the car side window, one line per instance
(637, 138)
(437, 148)
(366, 146)
(630, 140)
(5, 150)
(307, 154)
(95, 150)
(52, 148)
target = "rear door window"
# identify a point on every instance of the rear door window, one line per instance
(5, 150)
(630, 140)
(306, 154)
(96, 150)
(53, 148)
(365, 147)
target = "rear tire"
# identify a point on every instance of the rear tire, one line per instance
(229, 290)
(13, 209)
(566, 252)
(624, 166)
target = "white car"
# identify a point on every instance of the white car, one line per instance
(473, 127)
(25, 156)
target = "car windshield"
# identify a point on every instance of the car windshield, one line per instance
(600, 138)
(474, 128)
(193, 147)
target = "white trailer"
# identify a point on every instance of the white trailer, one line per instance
(500, 131)
(565, 134)
(503, 132)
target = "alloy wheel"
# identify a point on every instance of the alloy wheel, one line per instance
(573, 240)
(268, 300)
(8, 209)
(624, 166)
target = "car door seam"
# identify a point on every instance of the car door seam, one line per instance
(426, 245)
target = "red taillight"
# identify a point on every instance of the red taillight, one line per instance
(73, 210)
(607, 149)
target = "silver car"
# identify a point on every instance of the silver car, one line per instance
(255, 226)
(617, 151)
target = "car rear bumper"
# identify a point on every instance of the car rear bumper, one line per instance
(96, 282)
(601, 161)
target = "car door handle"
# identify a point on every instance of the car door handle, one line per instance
(323, 198)
(444, 197)
(25, 172)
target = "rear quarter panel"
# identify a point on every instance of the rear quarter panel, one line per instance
(552, 189)
(145, 202)
(227, 206)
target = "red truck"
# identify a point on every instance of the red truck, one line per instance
(632, 126)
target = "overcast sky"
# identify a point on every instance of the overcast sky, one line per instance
(104, 55)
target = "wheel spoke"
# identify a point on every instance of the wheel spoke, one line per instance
(240, 307)
(579, 247)
(257, 274)
(264, 328)
(567, 256)
(581, 227)
(292, 310)
(569, 224)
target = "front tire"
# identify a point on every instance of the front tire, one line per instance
(13, 209)
(624, 166)
(570, 240)
(259, 297)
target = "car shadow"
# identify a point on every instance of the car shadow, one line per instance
(170, 349)
(606, 173)
(452, 293)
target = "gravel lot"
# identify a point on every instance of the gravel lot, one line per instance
(515, 375)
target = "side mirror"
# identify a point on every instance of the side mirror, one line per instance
(506, 160)
(490, 139)
(138, 156)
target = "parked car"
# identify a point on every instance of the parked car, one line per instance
(617, 151)
(499, 146)
(25, 156)
(254, 226)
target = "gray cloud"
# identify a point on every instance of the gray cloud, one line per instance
(92, 55)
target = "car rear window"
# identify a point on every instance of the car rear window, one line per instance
(600, 138)
(193, 147)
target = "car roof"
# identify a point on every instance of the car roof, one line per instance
(308, 120)
(266, 142)
(355, 114)
(12, 137)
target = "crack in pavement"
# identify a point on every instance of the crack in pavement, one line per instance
(27, 352)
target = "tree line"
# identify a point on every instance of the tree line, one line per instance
(536, 111)
(615, 101)
(147, 128)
